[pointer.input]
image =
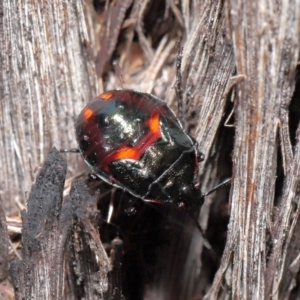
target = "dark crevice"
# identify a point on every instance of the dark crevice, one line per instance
(294, 109)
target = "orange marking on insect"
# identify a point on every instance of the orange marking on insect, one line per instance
(154, 124)
(106, 96)
(127, 153)
(138, 150)
(87, 113)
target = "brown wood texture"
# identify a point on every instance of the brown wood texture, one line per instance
(266, 45)
(238, 56)
(46, 79)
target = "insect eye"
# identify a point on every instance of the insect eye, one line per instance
(186, 193)
(200, 157)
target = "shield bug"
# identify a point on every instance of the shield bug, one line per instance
(134, 141)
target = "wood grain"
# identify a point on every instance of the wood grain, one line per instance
(240, 61)
(47, 76)
(266, 51)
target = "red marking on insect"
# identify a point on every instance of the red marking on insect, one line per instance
(135, 142)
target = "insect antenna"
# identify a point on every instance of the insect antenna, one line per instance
(225, 182)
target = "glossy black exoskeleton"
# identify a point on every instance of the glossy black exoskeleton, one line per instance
(134, 141)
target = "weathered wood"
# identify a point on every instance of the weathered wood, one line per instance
(266, 45)
(46, 230)
(88, 260)
(231, 48)
(46, 78)
(112, 22)
(63, 257)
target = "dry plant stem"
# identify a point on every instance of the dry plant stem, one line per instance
(166, 47)
(280, 278)
(113, 20)
(207, 66)
(282, 228)
(266, 49)
(47, 77)
(175, 11)
(291, 258)
(145, 44)
(286, 147)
